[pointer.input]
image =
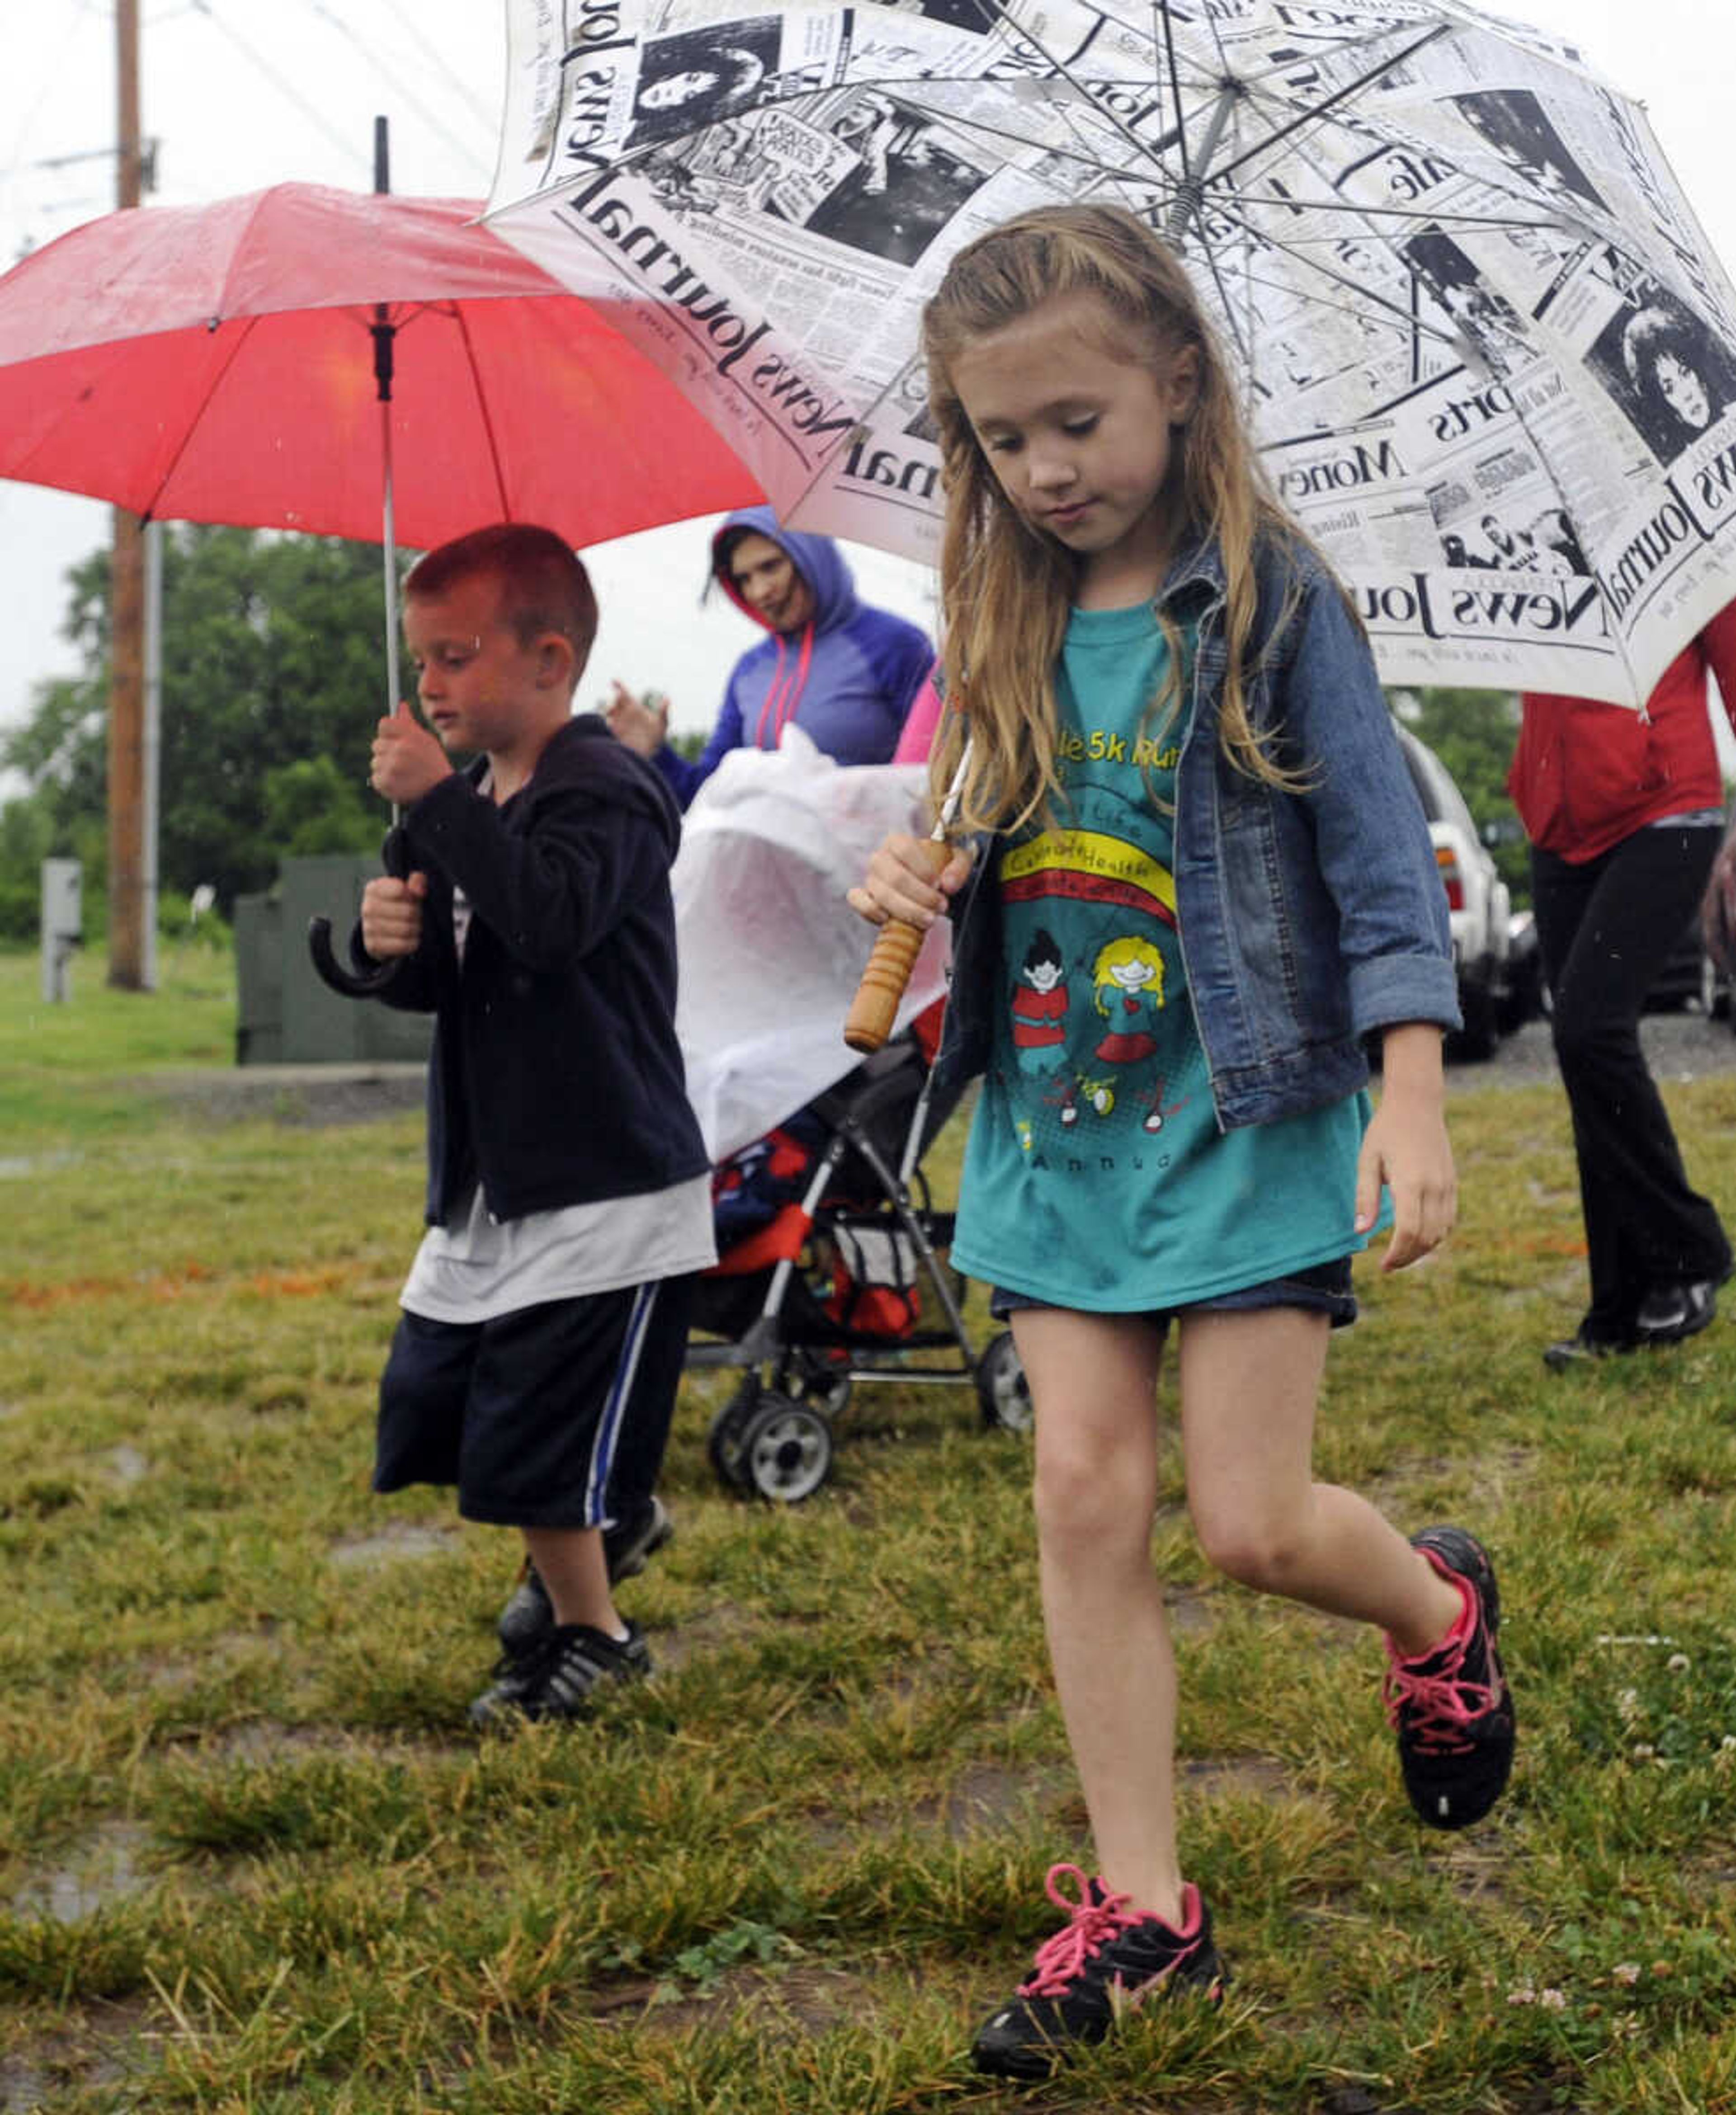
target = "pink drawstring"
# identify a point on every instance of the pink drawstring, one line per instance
(771, 696)
(781, 699)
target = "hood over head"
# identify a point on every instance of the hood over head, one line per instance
(816, 558)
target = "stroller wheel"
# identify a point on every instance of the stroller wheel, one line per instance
(1003, 1393)
(723, 1442)
(786, 1450)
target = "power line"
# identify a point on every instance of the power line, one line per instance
(483, 115)
(345, 146)
(422, 110)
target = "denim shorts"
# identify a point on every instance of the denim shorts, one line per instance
(1323, 1288)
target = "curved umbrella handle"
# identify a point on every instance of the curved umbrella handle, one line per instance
(359, 983)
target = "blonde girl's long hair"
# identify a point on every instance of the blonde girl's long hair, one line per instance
(1005, 589)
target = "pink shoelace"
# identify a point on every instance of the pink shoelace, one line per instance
(1091, 1924)
(1445, 1705)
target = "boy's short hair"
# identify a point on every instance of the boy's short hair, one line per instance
(543, 584)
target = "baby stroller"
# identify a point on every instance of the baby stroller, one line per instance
(830, 1274)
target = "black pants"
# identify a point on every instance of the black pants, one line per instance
(1604, 927)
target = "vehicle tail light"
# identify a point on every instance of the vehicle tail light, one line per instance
(1447, 860)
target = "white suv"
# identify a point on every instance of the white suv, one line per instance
(1477, 902)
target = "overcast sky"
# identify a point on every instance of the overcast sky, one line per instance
(240, 96)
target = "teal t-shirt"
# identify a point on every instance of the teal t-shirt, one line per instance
(1096, 1176)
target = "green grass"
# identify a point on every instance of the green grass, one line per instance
(69, 1071)
(250, 1860)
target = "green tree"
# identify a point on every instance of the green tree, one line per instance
(1473, 732)
(310, 808)
(26, 840)
(273, 679)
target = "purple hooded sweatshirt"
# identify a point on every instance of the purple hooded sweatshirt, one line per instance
(846, 679)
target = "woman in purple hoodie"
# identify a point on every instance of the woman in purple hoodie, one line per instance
(840, 670)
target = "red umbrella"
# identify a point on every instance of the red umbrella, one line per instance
(215, 364)
(349, 363)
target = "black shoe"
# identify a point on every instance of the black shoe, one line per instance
(558, 1676)
(529, 1614)
(1580, 1349)
(1452, 1708)
(1669, 1313)
(1105, 1961)
(627, 1544)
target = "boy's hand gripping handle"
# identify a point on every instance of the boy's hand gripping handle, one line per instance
(874, 1006)
(359, 983)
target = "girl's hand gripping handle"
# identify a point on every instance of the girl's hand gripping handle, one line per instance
(905, 889)
(884, 981)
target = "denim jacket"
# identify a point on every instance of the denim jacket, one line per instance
(1306, 919)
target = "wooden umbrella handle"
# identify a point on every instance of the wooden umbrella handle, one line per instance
(874, 1006)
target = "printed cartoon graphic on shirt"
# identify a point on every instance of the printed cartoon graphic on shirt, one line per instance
(1127, 983)
(1090, 906)
(1039, 1024)
(1040, 1006)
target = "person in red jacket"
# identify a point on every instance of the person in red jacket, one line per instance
(1625, 811)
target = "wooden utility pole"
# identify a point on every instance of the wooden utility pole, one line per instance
(128, 952)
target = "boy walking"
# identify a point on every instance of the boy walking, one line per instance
(536, 1361)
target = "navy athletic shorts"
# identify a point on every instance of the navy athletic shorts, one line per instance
(532, 1414)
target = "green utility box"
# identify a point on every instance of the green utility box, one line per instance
(285, 1014)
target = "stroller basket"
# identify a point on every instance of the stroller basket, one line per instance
(836, 1276)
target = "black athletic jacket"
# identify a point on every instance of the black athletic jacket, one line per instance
(557, 1078)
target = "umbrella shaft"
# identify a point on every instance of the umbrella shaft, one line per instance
(1192, 187)
(389, 553)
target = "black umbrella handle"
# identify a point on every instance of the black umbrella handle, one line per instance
(361, 983)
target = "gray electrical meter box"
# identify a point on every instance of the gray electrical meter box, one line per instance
(62, 924)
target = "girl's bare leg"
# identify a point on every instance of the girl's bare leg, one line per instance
(1250, 1383)
(1093, 1383)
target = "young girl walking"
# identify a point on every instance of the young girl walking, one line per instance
(1198, 827)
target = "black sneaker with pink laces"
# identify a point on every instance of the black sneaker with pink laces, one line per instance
(1104, 1960)
(1451, 1709)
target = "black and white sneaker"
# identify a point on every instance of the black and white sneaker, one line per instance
(1669, 1313)
(558, 1676)
(626, 1546)
(1105, 1959)
(1451, 1709)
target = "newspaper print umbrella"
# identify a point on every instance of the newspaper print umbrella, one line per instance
(1487, 352)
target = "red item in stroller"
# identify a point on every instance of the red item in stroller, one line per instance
(830, 1273)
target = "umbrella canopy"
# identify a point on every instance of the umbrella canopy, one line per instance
(1486, 353)
(216, 364)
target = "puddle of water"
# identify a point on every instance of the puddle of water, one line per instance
(271, 1741)
(391, 1544)
(16, 1165)
(24, 2086)
(102, 1869)
(1254, 1777)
